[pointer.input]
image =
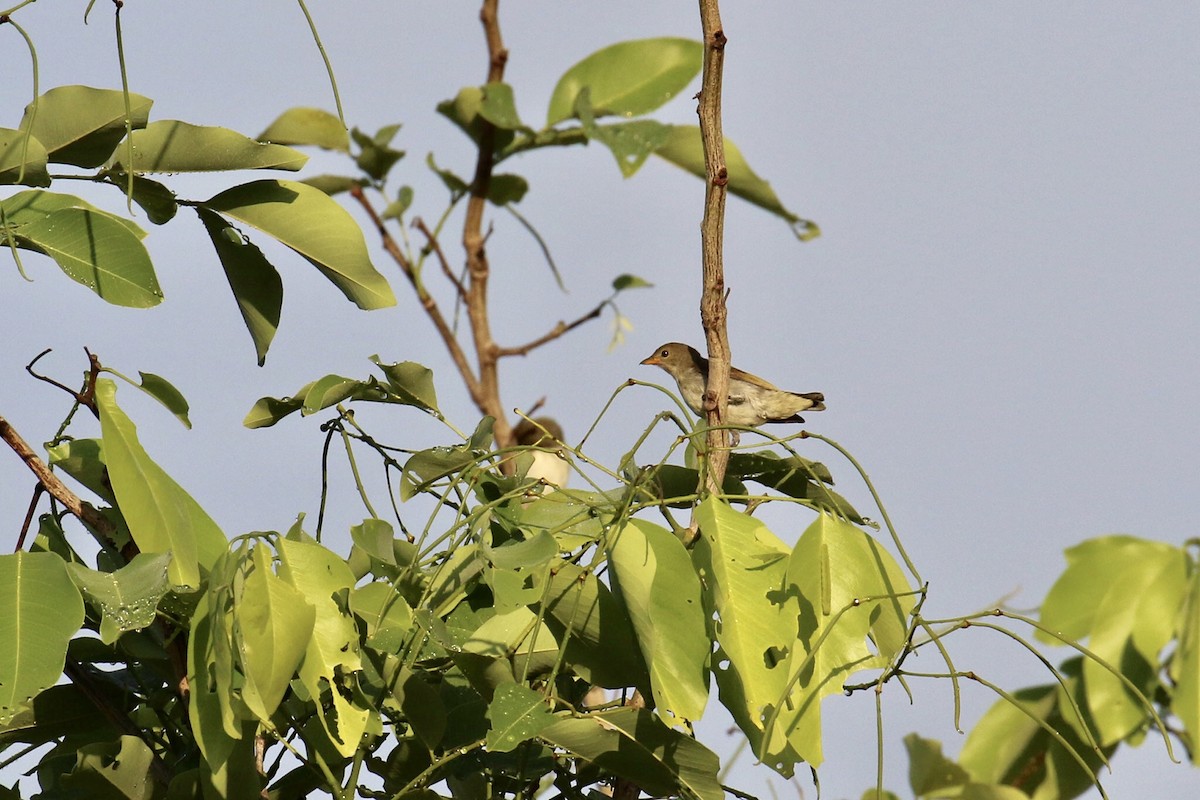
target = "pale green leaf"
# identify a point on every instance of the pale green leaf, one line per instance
(274, 623)
(411, 382)
(627, 281)
(40, 610)
(332, 653)
(174, 146)
(742, 567)
(97, 250)
(311, 223)
(162, 517)
(119, 770)
(660, 588)
(33, 205)
(635, 744)
(165, 392)
(128, 598)
(929, 771)
(628, 78)
(18, 149)
(81, 125)
(1185, 666)
(308, 126)
(387, 615)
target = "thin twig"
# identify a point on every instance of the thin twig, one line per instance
(555, 332)
(33, 501)
(436, 247)
(427, 301)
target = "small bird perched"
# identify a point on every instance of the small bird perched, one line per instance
(548, 464)
(752, 401)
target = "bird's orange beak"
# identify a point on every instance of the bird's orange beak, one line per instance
(652, 361)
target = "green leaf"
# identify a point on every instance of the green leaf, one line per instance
(375, 157)
(499, 107)
(40, 610)
(849, 587)
(174, 146)
(403, 201)
(119, 770)
(333, 389)
(742, 567)
(30, 205)
(332, 184)
(267, 411)
(255, 283)
(466, 111)
(628, 78)
(386, 614)
(1185, 666)
(631, 143)
(660, 588)
(308, 221)
(627, 281)
(162, 517)
(308, 126)
(165, 392)
(156, 200)
(601, 645)
(332, 652)
(97, 250)
(83, 460)
(128, 598)
(275, 623)
(412, 383)
(684, 149)
(455, 184)
(930, 772)
(504, 189)
(795, 476)
(518, 714)
(534, 551)
(1123, 595)
(81, 125)
(375, 537)
(17, 149)
(427, 466)
(635, 744)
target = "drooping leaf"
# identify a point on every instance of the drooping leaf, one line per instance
(256, 284)
(628, 78)
(332, 653)
(311, 223)
(83, 460)
(165, 392)
(1185, 666)
(403, 201)
(848, 587)
(162, 517)
(98, 250)
(635, 744)
(517, 714)
(627, 281)
(81, 125)
(684, 149)
(274, 624)
(155, 199)
(1122, 594)
(660, 588)
(742, 567)
(40, 610)
(175, 146)
(17, 150)
(308, 126)
(128, 598)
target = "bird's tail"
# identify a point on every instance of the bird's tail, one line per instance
(816, 398)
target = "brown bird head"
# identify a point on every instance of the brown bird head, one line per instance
(678, 359)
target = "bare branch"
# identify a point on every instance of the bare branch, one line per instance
(81, 509)
(474, 242)
(430, 305)
(712, 300)
(555, 332)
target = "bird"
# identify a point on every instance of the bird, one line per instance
(752, 401)
(544, 437)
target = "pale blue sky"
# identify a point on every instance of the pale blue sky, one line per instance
(1002, 311)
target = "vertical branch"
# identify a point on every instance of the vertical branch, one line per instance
(712, 299)
(475, 242)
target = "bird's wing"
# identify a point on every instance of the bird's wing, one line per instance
(734, 372)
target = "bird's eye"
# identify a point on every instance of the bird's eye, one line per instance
(665, 353)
